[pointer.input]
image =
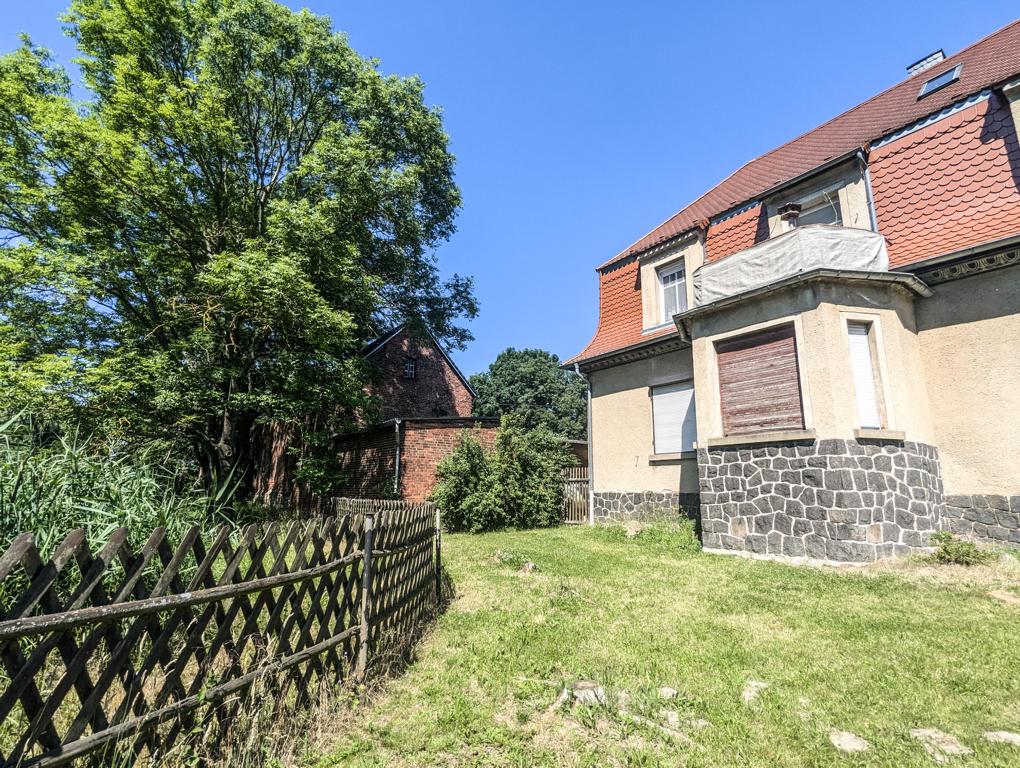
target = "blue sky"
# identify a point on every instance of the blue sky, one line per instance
(578, 126)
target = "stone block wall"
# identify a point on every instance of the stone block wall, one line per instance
(992, 519)
(646, 506)
(835, 500)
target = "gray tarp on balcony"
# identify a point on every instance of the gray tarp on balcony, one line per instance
(800, 250)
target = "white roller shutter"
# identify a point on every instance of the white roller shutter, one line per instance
(673, 422)
(868, 413)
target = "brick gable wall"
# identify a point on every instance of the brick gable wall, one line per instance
(436, 390)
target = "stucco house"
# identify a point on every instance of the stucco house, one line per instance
(820, 356)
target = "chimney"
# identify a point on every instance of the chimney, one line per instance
(789, 214)
(925, 63)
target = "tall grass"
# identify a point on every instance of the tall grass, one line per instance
(51, 486)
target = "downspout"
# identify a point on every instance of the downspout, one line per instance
(396, 473)
(591, 453)
(867, 190)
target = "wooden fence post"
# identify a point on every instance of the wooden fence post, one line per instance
(366, 595)
(439, 560)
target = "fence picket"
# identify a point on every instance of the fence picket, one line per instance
(131, 646)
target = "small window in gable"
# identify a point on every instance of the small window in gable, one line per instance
(672, 291)
(674, 428)
(410, 368)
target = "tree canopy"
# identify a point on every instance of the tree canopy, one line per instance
(202, 244)
(530, 383)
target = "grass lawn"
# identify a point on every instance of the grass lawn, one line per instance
(876, 652)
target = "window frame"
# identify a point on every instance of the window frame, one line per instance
(410, 368)
(828, 200)
(953, 75)
(693, 412)
(881, 380)
(679, 287)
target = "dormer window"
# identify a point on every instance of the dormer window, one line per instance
(410, 368)
(825, 211)
(819, 209)
(672, 290)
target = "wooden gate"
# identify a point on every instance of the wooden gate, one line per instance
(575, 495)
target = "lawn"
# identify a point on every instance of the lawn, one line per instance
(876, 652)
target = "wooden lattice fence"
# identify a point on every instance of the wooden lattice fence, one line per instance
(134, 649)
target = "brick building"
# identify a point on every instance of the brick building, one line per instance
(425, 404)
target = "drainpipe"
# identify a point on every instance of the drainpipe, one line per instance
(396, 473)
(591, 453)
(867, 190)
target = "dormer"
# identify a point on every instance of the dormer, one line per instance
(666, 279)
(838, 197)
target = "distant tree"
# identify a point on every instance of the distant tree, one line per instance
(531, 384)
(202, 245)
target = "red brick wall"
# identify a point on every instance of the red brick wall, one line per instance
(436, 390)
(427, 443)
(369, 460)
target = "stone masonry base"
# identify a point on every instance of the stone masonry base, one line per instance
(645, 506)
(992, 519)
(834, 500)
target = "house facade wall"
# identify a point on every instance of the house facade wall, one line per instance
(969, 334)
(627, 479)
(435, 391)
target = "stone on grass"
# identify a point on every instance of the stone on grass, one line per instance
(584, 693)
(848, 742)
(528, 567)
(631, 528)
(941, 746)
(672, 717)
(665, 692)
(1002, 737)
(753, 690)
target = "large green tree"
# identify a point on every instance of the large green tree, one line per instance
(202, 243)
(531, 384)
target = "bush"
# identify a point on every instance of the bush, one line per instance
(955, 551)
(518, 484)
(463, 491)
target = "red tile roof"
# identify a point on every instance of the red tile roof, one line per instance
(949, 186)
(737, 233)
(988, 62)
(620, 315)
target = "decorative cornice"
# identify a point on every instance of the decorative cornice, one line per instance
(633, 353)
(975, 265)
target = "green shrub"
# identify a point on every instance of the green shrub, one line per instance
(955, 551)
(518, 484)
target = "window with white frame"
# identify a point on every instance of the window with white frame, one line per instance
(672, 291)
(824, 211)
(866, 382)
(674, 428)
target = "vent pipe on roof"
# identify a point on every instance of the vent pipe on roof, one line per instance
(927, 62)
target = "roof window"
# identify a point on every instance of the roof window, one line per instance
(940, 81)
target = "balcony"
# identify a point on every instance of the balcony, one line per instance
(804, 249)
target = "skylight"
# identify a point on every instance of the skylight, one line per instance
(940, 81)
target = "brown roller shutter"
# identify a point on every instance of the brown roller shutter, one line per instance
(759, 386)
